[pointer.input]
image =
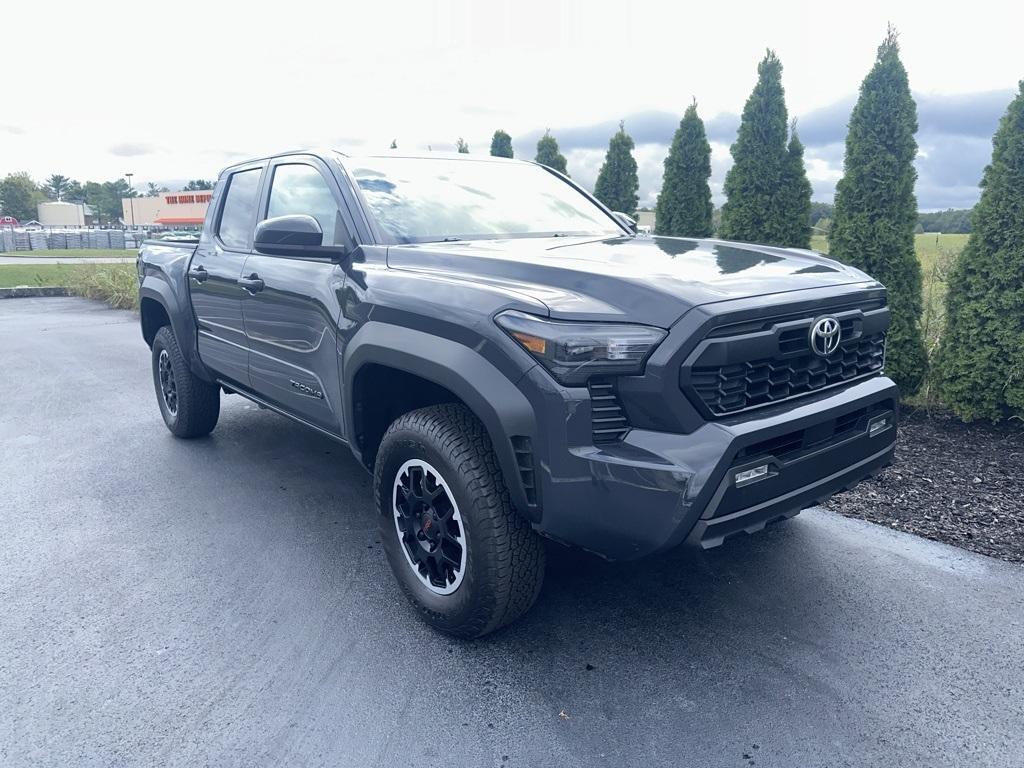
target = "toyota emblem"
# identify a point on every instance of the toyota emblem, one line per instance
(825, 336)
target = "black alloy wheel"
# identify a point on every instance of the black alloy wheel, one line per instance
(429, 527)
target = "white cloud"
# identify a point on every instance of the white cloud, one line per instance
(132, 149)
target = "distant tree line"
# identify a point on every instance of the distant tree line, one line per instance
(20, 194)
(950, 221)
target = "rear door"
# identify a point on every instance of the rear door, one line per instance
(214, 274)
(293, 304)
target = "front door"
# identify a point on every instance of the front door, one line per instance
(213, 277)
(292, 308)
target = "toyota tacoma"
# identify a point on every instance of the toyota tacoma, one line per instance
(512, 362)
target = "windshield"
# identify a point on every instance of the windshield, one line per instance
(417, 200)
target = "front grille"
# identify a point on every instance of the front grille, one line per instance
(821, 443)
(732, 388)
(765, 324)
(781, 447)
(608, 419)
(789, 445)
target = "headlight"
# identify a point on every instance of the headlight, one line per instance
(573, 352)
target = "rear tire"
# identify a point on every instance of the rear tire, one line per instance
(189, 405)
(464, 557)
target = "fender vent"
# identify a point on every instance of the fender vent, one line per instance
(608, 419)
(523, 450)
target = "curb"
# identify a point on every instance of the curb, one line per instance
(26, 292)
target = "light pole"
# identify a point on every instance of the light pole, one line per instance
(131, 198)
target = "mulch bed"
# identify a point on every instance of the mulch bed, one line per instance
(962, 484)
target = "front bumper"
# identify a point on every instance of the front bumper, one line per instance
(655, 490)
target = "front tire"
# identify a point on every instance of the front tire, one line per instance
(467, 561)
(189, 405)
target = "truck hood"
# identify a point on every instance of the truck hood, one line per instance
(651, 280)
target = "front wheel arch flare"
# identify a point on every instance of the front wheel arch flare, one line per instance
(480, 386)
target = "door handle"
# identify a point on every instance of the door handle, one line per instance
(252, 283)
(199, 274)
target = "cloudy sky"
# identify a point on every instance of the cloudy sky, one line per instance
(172, 91)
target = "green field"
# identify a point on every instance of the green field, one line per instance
(80, 253)
(929, 246)
(117, 284)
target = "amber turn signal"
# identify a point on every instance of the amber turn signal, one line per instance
(534, 344)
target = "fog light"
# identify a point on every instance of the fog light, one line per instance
(752, 475)
(877, 425)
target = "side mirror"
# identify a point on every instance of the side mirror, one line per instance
(627, 221)
(288, 236)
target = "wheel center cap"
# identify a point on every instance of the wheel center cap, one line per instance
(427, 522)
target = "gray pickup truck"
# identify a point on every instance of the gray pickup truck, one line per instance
(512, 361)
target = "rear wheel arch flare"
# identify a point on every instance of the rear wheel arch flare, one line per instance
(154, 317)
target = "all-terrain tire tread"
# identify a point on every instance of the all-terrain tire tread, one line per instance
(198, 400)
(503, 541)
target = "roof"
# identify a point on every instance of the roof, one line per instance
(325, 152)
(431, 156)
(179, 220)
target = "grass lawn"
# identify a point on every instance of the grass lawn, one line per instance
(117, 284)
(928, 246)
(81, 253)
(12, 275)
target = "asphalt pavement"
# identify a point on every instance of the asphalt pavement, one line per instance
(226, 601)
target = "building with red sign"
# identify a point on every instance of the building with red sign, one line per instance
(172, 209)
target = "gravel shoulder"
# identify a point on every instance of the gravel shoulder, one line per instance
(962, 484)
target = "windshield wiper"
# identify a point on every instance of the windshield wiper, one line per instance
(445, 239)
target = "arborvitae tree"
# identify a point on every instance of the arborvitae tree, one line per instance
(759, 155)
(876, 211)
(684, 204)
(462, 146)
(548, 154)
(617, 181)
(394, 144)
(501, 144)
(794, 198)
(981, 358)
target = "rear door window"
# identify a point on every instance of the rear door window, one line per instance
(239, 211)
